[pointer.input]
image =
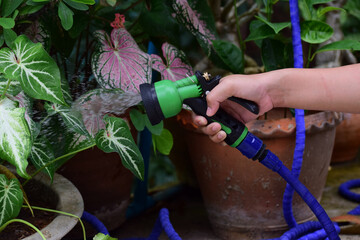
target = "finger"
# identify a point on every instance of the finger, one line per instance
(212, 129)
(200, 121)
(218, 95)
(218, 137)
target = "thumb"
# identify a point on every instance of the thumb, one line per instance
(213, 102)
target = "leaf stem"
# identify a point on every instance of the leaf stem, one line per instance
(57, 159)
(5, 90)
(309, 59)
(63, 213)
(24, 222)
(241, 42)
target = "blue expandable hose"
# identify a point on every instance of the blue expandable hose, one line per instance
(344, 190)
(253, 148)
(95, 222)
(299, 117)
(162, 224)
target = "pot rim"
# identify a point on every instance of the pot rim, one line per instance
(70, 201)
(285, 127)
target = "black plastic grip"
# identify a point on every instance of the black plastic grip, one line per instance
(209, 84)
(199, 106)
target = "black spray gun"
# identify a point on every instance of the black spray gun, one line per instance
(165, 98)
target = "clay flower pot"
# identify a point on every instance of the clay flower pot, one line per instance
(242, 197)
(347, 141)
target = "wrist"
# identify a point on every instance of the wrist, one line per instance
(275, 84)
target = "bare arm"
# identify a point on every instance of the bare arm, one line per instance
(333, 89)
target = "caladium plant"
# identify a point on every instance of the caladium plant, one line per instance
(119, 62)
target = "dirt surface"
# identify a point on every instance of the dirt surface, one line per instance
(40, 196)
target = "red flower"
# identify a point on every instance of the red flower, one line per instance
(119, 21)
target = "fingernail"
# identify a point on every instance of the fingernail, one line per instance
(208, 110)
(220, 135)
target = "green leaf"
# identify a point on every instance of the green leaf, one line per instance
(76, 5)
(352, 45)
(89, 2)
(259, 30)
(353, 7)
(154, 129)
(8, 7)
(313, 2)
(65, 15)
(41, 154)
(72, 118)
(322, 11)
(164, 142)
(138, 119)
(101, 236)
(277, 27)
(2, 40)
(15, 138)
(7, 23)
(315, 32)
(230, 54)
(9, 36)
(32, 66)
(111, 2)
(30, 9)
(117, 138)
(272, 54)
(11, 199)
(13, 89)
(39, 1)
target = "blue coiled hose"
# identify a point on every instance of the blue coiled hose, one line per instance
(299, 117)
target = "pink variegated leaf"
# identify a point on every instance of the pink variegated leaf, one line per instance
(119, 62)
(176, 67)
(193, 22)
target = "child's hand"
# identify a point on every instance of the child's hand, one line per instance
(213, 129)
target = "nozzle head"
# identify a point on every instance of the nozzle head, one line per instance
(151, 103)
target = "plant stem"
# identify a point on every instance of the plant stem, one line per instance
(241, 42)
(132, 5)
(57, 159)
(5, 90)
(24, 222)
(309, 57)
(60, 212)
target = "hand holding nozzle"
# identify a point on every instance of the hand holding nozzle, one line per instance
(164, 99)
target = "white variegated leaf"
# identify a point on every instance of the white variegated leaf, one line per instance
(11, 199)
(15, 138)
(117, 138)
(13, 88)
(75, 142)
(71, 117)
(31, 65)
(25, 102)
(41, 154)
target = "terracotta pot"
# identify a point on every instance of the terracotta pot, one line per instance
(347, 141)
(242, 197)
(104, 183)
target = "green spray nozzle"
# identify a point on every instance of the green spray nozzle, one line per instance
(165, 98)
